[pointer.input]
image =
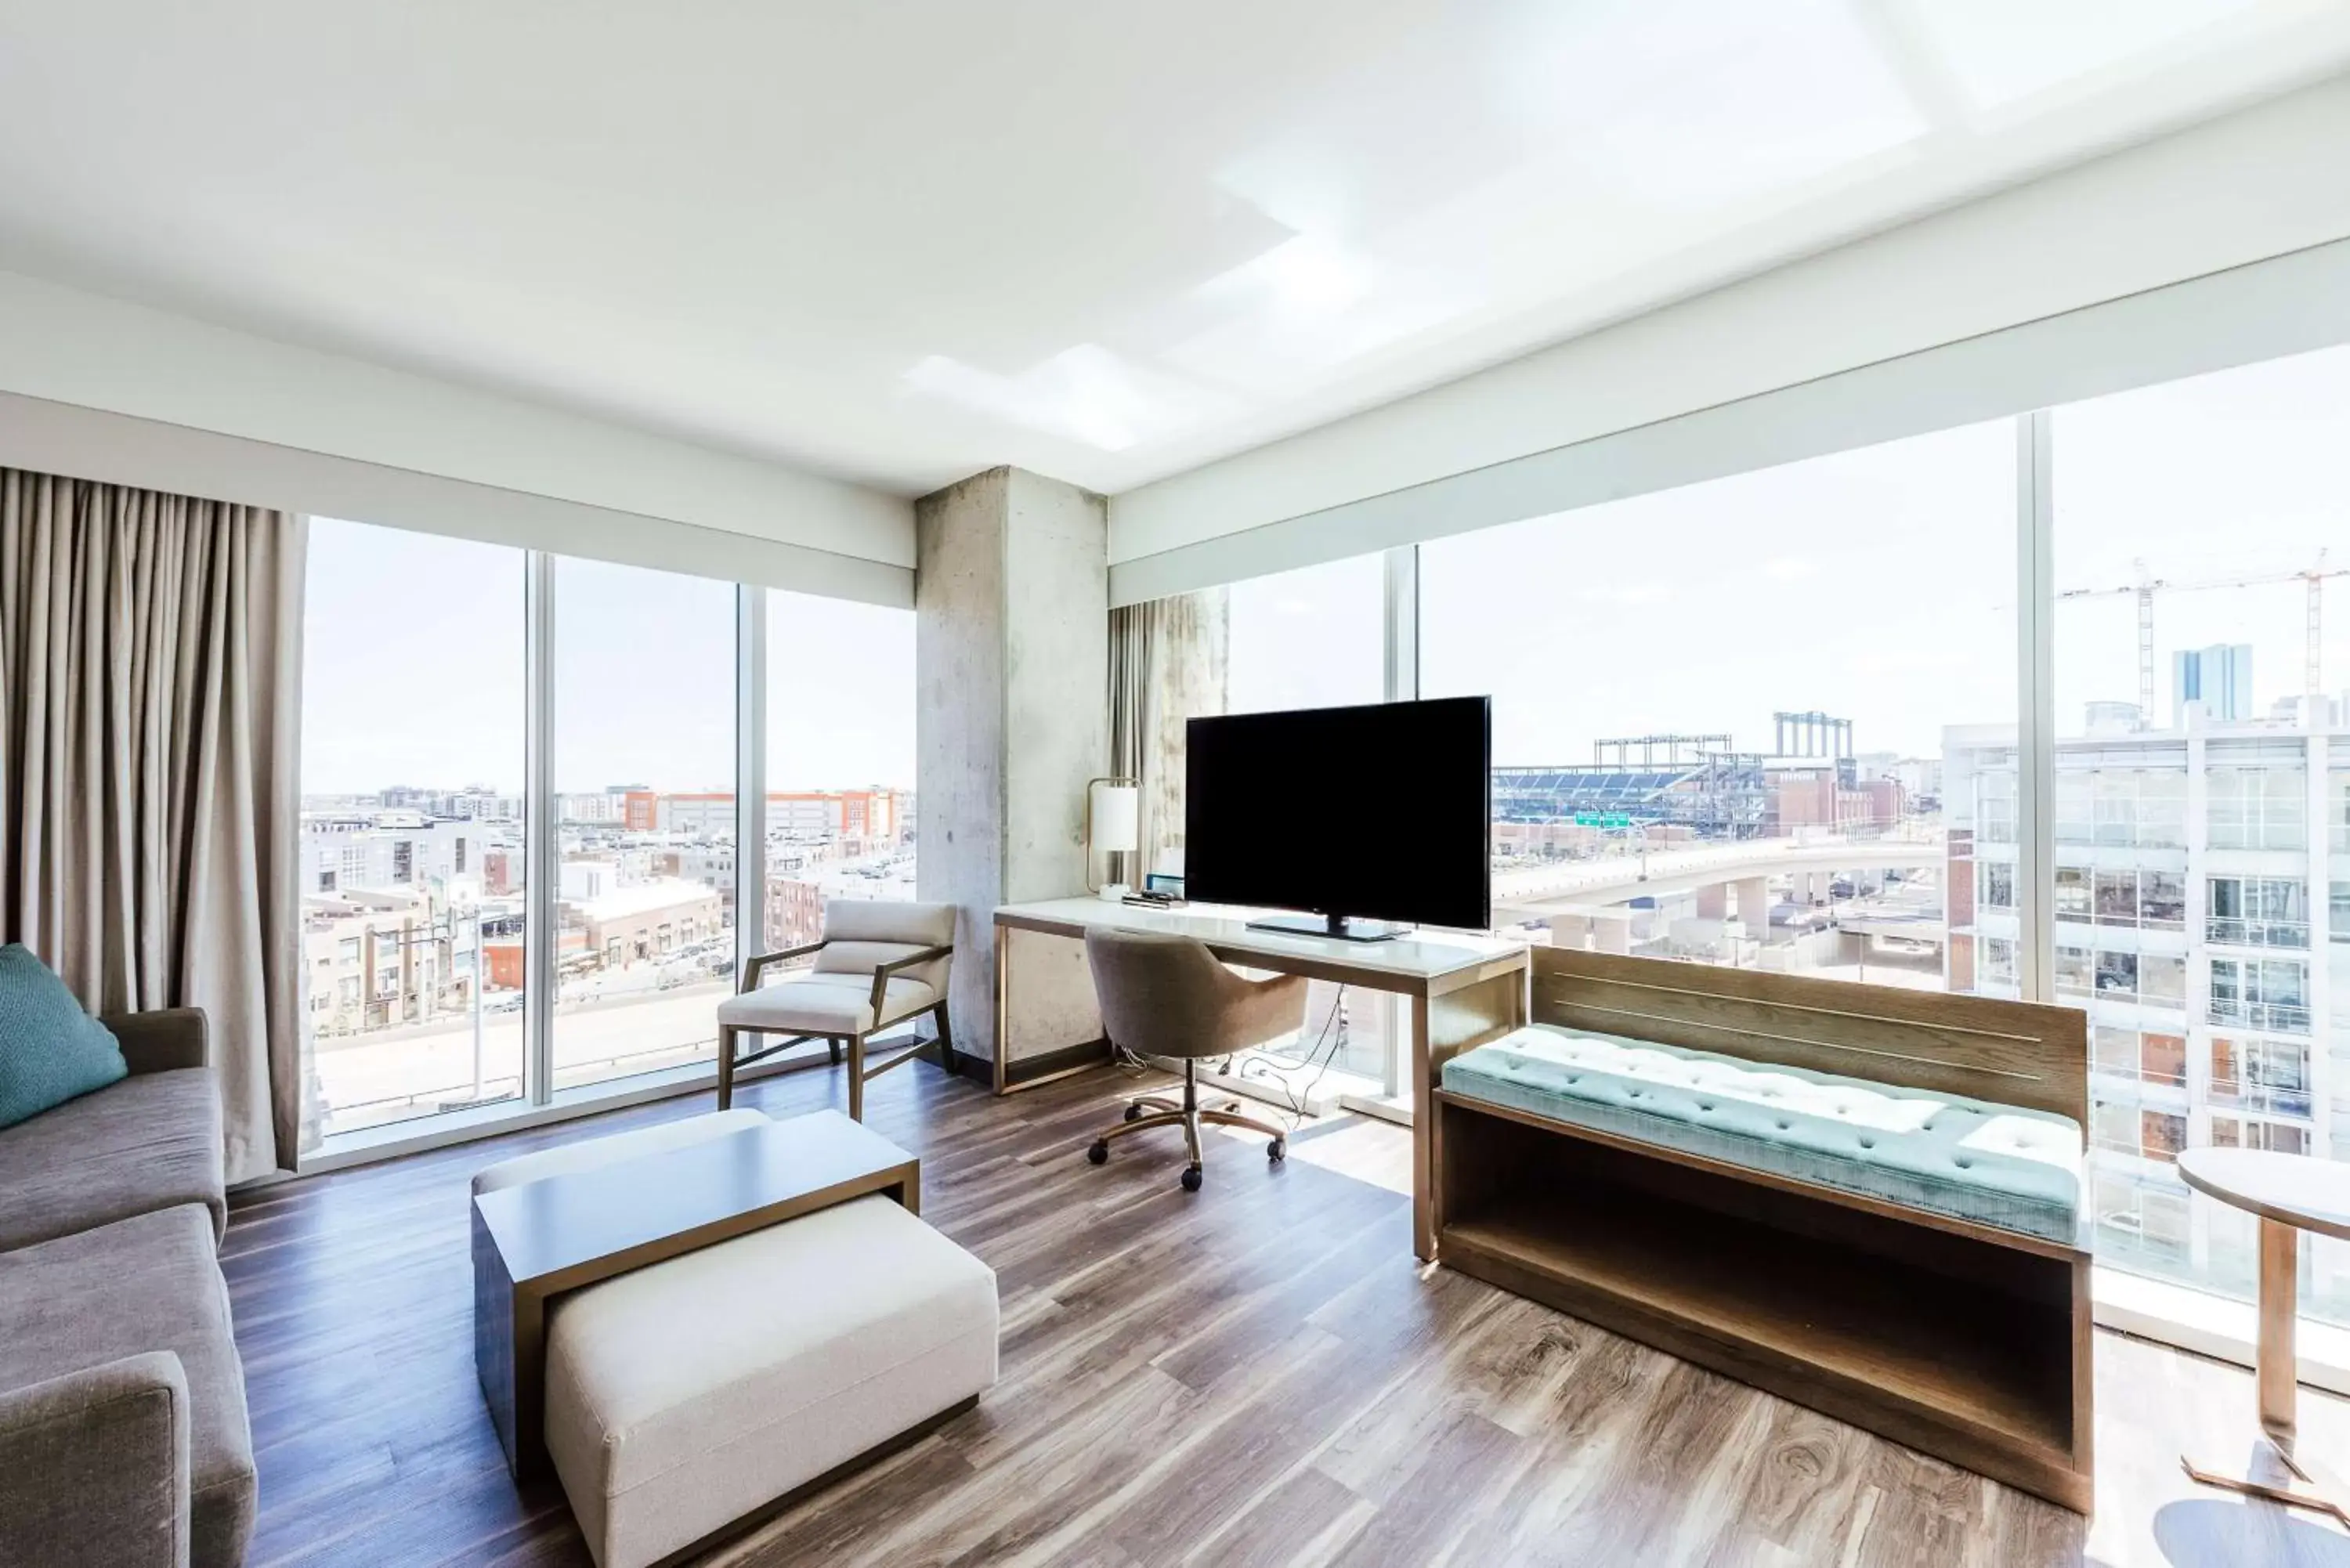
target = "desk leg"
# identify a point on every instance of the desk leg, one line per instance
(2272, 1470)
(1423, 1138)
(1003, 1007)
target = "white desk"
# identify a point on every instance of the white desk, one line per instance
(1463, 989)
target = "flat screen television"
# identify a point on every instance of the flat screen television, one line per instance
(1361, 816)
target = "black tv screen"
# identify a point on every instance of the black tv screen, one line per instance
(1380, 812)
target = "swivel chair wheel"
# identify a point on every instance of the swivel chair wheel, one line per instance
(1190, 1179)
(1134, 1113)
(1099, 1152)
(1277, 1150)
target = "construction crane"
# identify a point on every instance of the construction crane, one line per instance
(2148, 584)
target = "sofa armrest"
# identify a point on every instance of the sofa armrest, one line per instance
(160, 1040)
(94, 1467)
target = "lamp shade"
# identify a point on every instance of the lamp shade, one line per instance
(1116, 814)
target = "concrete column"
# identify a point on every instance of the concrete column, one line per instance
(1613, 936)
(1754, 906)
(1714, 901)
(1012, 675)
(1570, 931)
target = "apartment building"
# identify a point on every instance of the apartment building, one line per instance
(2201, 915)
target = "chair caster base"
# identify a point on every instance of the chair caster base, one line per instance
(1099, 1152)
(1191, 1178)
(1277, 1150)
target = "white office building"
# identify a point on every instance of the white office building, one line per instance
(393, 849)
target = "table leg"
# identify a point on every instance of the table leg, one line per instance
(2272, 1470)
(510, 1356)
(2276, 1362)
(1003, 1007)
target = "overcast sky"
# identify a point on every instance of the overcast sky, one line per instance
(1876, 585)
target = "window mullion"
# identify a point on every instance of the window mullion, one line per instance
(2036, 737)
(542, 851)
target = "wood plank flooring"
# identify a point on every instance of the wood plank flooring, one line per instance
(1255, 1375)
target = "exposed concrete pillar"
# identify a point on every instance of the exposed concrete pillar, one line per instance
(1714, 901)
(1570, 931)
(1012, 676)
(1754, 906)
(1613, 936)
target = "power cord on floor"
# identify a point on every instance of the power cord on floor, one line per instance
(1260, 1066)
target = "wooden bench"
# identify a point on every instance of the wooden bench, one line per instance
(1964, 1339)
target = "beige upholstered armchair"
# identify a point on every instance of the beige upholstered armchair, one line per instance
(876, 965)
(1169, 997)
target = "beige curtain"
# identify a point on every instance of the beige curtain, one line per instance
(1167, 665)
(149, 661)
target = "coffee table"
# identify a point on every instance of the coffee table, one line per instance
(534, 1242)
(2291, 1193)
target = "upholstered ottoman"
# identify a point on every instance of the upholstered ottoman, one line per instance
(687, 1400)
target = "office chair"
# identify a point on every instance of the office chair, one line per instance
(1169, 996)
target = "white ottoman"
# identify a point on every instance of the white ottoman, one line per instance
(685, 1400)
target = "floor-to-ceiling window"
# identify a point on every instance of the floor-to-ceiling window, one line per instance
(839, 759)
(2201, 731)
(644, 673)
(1748, 722)
(430, 665)
(412, 869)
(1771, 720)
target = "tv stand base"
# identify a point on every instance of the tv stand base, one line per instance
(1341, 927)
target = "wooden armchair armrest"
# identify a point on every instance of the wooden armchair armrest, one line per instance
(882, 972)
(758, 965)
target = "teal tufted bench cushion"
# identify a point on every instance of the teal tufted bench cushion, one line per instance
(1974, 1159)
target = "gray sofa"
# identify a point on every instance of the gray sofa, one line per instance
(123, 1437)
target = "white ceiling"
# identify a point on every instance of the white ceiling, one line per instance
(898, 241)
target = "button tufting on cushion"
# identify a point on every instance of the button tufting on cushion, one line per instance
(1995, 1164)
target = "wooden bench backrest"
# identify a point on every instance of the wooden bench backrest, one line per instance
(2026, 1053)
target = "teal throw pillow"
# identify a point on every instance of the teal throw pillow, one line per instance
(50, 1050)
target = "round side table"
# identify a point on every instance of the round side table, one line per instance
(2291, 1193)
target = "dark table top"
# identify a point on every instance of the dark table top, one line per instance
(589, 1221)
